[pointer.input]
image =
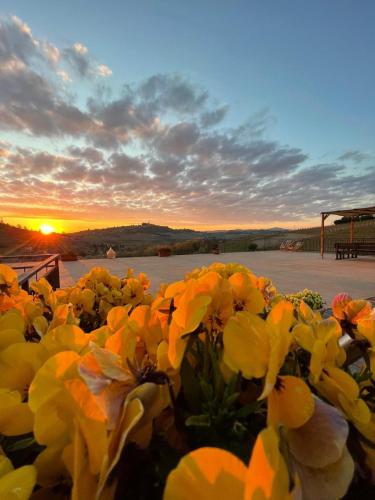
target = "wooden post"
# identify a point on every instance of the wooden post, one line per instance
(324, 216)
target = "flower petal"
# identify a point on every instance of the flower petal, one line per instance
(267, 475)
(18, 484)
(330, 483)
(246, 345)
(207, 473)
(118, 317)
(291, 405)
(16, 417)
(321, 440)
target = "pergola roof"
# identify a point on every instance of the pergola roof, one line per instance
(352, 212)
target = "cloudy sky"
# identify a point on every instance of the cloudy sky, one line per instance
(203, 114)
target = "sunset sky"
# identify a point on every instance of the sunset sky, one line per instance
(199, 113)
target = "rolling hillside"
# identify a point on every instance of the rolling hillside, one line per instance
(145, 239)
(15, 240)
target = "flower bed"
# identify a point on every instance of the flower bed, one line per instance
(217, 387)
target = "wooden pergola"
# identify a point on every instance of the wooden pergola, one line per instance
(351, 213)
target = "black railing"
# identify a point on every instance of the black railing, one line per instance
(32, 265)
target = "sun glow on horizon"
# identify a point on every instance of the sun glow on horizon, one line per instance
(66, 226)
(46, 229)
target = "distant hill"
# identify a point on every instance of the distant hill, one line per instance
(16, 240)
(143, 239)
(165, 231)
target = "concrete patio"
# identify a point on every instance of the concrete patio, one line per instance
(290, 272)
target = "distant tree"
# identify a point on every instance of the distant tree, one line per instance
(346, 220)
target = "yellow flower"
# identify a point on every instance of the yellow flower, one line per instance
(65, 338)
(111, 377)
(128, 413)
(220, 307)
(357, 309)
(10, 294)
(63, 315)
(148, 327)
(366, 327)
(320, 339)
(344, 308)
(118, 317)
(108, 379)
(257, 348)
(115, 282)
(12, 329)
(7, 302)
(15, 416)
(279, 322)
(290, 403)
(306, 314)
(133, 292)
(40, 324)
(144, 281)
(191, 307)
(45, 290)
(342, 391)
(60, 399)
(8, 276)
(18, 365)
(246, 345)
(141, 407)
(272, 339)
(212, 473)
(16, 484)
(267, 288)
(83, 300)
(32, 308)
(246, 296)
(75, 457)
(12, 320)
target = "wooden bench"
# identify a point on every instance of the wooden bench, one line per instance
(352, 250)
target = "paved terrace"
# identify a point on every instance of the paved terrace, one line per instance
(289, 271)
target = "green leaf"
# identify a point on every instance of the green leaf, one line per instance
(198, 421)
(232, 385)
(207, 390)
(216, 372)
(191, 388)
(21, 444)
(231, 399)
(247, 410)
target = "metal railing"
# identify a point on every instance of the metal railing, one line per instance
(33, 265)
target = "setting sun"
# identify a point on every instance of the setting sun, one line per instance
(46, 229)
